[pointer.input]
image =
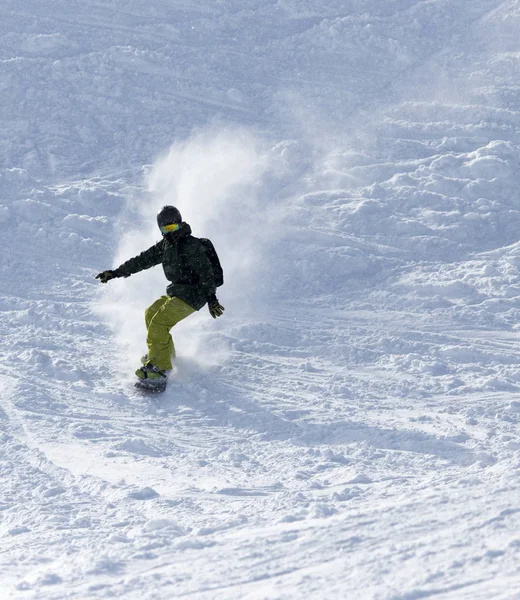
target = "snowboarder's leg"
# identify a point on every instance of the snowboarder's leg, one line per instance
(149, 314)
(159, 341)
(153, 308)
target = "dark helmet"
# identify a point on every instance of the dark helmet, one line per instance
(168, 215)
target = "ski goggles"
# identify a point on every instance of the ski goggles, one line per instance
(169, 228)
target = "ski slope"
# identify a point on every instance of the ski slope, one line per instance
(349, 429)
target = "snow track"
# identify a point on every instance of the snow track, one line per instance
(308, 474)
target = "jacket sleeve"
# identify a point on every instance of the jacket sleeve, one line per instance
(204, 272)
(149, 258)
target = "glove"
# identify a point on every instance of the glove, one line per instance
(215, 308)
(107, 276)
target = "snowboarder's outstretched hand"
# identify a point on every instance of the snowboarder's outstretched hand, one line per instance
(106, 276)
(215, 308)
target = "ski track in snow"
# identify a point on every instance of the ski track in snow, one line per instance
(359, 438)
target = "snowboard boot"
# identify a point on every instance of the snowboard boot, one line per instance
(149, 371)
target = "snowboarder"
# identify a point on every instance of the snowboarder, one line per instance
(193, 269)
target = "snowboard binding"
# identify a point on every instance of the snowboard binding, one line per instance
(151, 378)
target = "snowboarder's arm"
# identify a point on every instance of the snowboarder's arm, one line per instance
(149, 258)
(207, 283)
(204, 272)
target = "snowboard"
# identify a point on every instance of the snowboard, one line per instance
(151, 386)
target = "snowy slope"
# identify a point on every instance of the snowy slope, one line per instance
(350, 427)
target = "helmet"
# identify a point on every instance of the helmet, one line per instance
(168, 215)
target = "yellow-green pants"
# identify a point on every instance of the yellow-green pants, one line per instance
(160, 317)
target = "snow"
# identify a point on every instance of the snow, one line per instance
(350, 427)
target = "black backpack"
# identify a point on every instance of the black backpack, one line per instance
(211, 253)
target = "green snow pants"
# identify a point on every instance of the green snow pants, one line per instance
(160, 317)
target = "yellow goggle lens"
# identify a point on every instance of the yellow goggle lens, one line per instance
(169, 228)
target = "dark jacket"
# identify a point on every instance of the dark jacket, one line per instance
(185, 264)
